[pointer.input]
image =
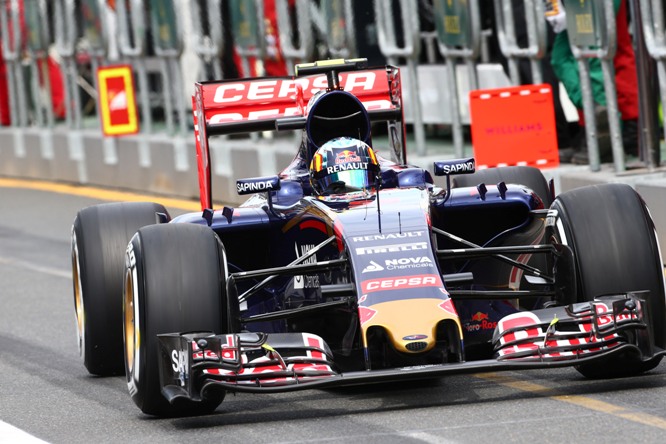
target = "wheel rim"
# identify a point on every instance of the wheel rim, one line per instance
(78, 297)
(130, 330)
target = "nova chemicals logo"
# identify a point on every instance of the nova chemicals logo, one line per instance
(373, 266)
(408, 262)
(399, 264)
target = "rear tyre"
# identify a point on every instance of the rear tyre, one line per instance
(100, 235)
(175, 281)
(615, 250)
(523, 175)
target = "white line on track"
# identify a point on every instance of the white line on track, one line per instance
(41, 269)
(11, 435)
(426, 438)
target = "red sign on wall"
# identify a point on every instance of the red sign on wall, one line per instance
(117, 101)
(514, 126)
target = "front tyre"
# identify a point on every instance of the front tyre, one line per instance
(615, 250)
(100, 234)
(175, 281)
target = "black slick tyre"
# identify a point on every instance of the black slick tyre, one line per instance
(615, 249)
(100, 235)
(523, 175)
(175, 281)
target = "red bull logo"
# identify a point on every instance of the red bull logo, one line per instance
(479, 322)
(478, 317)
(346, 156)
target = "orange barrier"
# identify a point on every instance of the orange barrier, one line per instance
(514, 126)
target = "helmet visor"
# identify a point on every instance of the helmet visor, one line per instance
(345, 182)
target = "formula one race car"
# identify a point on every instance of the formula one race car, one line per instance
(349, 267)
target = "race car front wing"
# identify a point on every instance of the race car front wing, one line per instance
(568, 333)
(193, 363)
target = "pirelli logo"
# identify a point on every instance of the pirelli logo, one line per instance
(377, 249)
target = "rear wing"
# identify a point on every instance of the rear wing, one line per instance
(280, 103)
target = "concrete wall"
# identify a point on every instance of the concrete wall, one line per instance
(156, 164)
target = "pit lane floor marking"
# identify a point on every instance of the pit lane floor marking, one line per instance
(41, 269)
(99, 193)
(13, 435)
(581, 401)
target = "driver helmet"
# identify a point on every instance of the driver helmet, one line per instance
(344, 165)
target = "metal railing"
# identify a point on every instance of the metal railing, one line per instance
(132, 45)
(80, 36)
(37, 49)
(652, 18)
(247, 17)
(602, 44)
(339, 18)
(208, 46)
(388, 44)
(168, 46)
(96, 37)
(304, 49)
(12, 46)
(459, 36)
(65, 42)
(508, 41)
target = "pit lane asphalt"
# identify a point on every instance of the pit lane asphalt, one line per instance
(46, 392)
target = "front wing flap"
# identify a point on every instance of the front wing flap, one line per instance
(583, 329)
(193, 363)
